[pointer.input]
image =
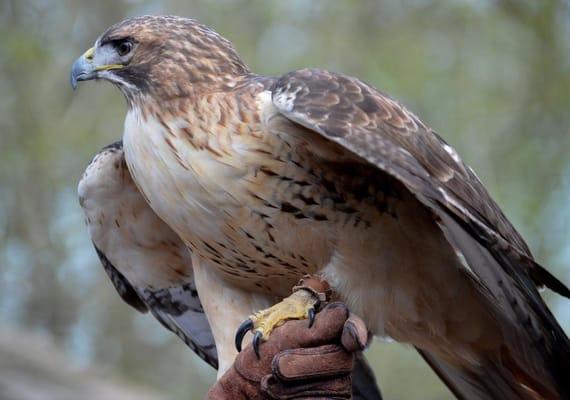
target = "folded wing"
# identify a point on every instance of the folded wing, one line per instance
(147, 263)
(373, 127)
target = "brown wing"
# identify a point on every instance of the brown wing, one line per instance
(360, 117)
(384, 134)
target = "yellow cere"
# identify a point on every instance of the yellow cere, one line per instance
(89, 54)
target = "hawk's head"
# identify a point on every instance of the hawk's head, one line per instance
(163, 56)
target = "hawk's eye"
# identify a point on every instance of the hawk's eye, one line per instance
(124, 47)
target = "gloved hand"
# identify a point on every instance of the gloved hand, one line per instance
(298, 362)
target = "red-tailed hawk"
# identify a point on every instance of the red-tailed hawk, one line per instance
(267, 179)
(149, 265)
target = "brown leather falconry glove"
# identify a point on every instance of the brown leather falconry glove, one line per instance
(298, 362)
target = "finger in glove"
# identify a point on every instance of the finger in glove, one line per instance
(354, 334)
(309, 363)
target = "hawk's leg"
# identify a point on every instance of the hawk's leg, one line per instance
(226, 306)
(307, 297)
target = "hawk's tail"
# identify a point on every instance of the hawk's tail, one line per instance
(534, 361)
(496, 380)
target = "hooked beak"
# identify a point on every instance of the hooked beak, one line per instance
(83, 68)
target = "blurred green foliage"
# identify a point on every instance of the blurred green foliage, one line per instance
(492, 77)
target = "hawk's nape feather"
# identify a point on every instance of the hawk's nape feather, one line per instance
(146, 261)
(384, 134)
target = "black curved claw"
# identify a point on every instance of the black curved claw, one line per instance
(256, 342)
(245, 327)
(311, 314)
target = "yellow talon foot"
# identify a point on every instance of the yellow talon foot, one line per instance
(300, 305)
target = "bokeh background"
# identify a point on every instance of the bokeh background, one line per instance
(492, 77)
